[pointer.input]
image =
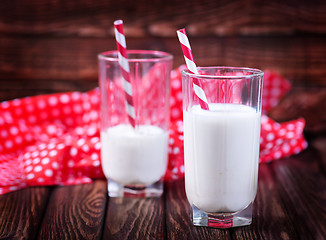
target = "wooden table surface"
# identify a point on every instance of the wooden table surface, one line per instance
(290, 204)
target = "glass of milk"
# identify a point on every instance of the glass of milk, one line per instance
(222, 144)
(134, 159)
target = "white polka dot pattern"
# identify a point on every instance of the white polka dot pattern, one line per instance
(279, 140)
(274, 88)
(41, 132)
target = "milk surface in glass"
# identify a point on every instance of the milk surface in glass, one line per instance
(134, 156)
(221, 156)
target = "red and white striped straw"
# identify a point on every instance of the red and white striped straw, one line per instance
(186, 49)
(124, 68)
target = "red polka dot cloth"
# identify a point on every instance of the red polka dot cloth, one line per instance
(55, 140)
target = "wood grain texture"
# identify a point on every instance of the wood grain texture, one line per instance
(21, 212)
(179, 219)
(308, 103)
(319, 144)
(160, 18)
(76, 58)
(303, 192)
(45, 65)
(52, 46)
(135, 218)
(270, 215)
(75, 212)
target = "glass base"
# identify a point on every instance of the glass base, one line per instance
(117, 190)
(222, 220)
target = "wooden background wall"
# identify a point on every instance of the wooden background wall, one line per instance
(52, 46)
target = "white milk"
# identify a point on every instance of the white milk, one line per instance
(221, 156)
(134, 157)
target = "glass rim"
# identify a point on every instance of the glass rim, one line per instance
(255, 72)
(157, 56)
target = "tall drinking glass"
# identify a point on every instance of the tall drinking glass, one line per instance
(222, 144)
(134, 159)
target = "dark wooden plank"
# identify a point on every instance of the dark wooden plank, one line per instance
(319, 143)
(303, 192)
(308, 103)
(178, 216)
(135, 218)
(161, 18)
(270, 215)
(18, 88)
(76, 58)
(21, 212)
(75, 212)
(58, 59)
(48, 65)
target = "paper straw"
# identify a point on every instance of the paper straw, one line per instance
(187, 53)
(124, 68)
